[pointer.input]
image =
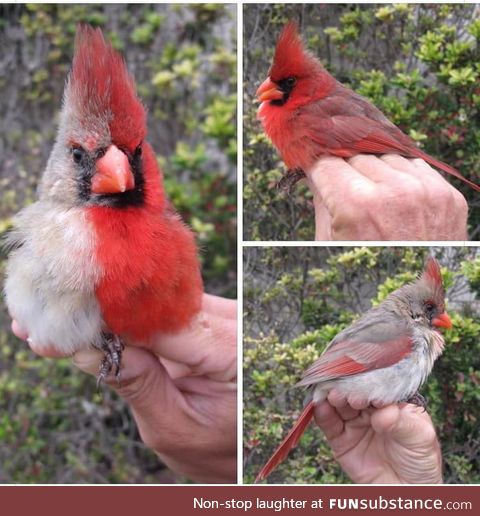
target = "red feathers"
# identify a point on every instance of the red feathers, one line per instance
(100, 87)
(152, 281)
(291, 58)
(350, 357)
(432, 273)
(288, 443)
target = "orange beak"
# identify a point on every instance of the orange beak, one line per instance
(268, 90)
(113, 173)
(442, 321)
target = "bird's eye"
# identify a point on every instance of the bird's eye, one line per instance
(77, 154)
(290, 81)
(429, 307)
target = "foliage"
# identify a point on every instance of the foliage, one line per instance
(318, 292)
(54, 426)
(418, 63)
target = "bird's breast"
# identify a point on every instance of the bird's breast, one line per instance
(151, 280)
(289, 135)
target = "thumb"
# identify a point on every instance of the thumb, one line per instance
(408, 425)
(323, 218)
(157, 405)
(413, 445)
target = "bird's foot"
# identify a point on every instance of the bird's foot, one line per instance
(290, 179)
(112, 348)
(418, 400)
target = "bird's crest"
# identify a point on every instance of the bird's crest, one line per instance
(100, 86)
(291, 58)
(432, 273)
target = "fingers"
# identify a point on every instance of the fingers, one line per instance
(219, 306)
(18, 331)
(46, 351)
(43, 351)
(377, 169)
(344, 405)
(385, 198)
(140, 372)
(328, 420)
(207, 346)
(405, 423)
(385, 419)
(331, 415)
(323, 220)
(332, 179)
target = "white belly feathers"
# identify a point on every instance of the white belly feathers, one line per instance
(51, 277)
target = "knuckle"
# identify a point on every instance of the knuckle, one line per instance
(460, 202)
(360, 200)
(132, 389)
(412, 191)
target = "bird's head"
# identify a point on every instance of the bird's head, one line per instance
(426, 298)
(295, 77)
(97, 157)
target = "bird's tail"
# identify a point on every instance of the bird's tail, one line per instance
(288, 443)
(446, 168)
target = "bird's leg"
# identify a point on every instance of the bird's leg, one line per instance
(112, 348)
(290, 179)
(418, 400)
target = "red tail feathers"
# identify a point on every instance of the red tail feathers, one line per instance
(288, 443)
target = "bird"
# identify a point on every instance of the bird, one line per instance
(307, 114)
(382, 358)
(101, 258)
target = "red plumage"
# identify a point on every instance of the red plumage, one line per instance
(307, 113)
(432, 273)
(349, 357)
(99, 82)
(152, 281)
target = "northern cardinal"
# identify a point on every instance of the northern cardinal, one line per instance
(101, 258)
(307, 114)
(382, 358)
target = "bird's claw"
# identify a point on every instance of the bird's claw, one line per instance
(418, 400)
(112, 348)
(290, 179)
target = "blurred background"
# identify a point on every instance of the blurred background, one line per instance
(296, 299)
(54, 425)
(418, 63)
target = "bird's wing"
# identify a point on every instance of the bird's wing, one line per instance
(368, 344)
(344, 128)
(345, 125)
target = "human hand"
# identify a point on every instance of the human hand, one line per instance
(182, 392)
(395, 444)
(384, 198)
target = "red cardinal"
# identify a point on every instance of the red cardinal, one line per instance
(307, 113)
(101, 257)
(382, 358)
